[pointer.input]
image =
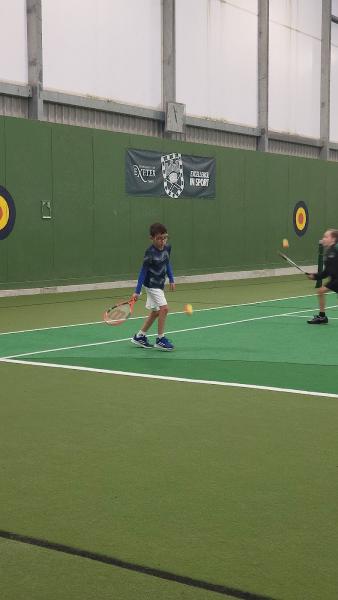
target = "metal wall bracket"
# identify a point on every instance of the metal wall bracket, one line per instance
(46, 209)
(174, 117)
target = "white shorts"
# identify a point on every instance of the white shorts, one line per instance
(155, 298)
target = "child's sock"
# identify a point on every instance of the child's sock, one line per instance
(140, 333)
(322, 314)
(160, 336)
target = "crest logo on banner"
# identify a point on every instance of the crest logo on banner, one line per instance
(172, 171)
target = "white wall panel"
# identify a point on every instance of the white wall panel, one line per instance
(334, 84)
(335, 8)
(105, 48)
(13, 55)
(305, 15)
(294, 66)
(216, 59)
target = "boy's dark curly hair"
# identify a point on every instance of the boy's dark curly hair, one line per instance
(157, 229)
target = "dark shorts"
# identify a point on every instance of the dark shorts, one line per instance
(332, 285)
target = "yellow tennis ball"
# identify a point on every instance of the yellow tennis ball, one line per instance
(285, 243)
(188, 309)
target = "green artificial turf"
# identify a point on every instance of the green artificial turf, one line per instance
(235, 487)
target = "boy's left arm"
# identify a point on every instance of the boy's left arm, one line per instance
(171, 277)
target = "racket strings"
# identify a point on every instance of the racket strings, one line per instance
(117, 314)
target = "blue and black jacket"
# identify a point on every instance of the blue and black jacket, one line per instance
(156, 267)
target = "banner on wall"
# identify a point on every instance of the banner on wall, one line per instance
(174, 175)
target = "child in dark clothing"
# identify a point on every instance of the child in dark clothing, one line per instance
(330, 243)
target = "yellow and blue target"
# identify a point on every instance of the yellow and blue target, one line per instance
(7, 213)
(300, 218)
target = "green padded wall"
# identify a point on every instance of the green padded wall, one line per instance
(29, 180)
(99, 233)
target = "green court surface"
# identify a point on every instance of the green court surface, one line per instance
(208, 472)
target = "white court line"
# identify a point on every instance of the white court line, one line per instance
(51, 327)
(154, 334)
(171, 313)
(178, 379)
(299, 317)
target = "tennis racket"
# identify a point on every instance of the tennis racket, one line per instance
(291, 262)
(119, 313)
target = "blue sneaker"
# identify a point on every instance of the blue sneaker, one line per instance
(141, 340)
(164, 344)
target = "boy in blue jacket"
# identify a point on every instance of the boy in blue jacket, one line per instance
(156, 267)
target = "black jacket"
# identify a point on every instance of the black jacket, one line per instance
(330, 264)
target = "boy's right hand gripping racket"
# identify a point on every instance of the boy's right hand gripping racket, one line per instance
(291, 262)
(119, 313)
